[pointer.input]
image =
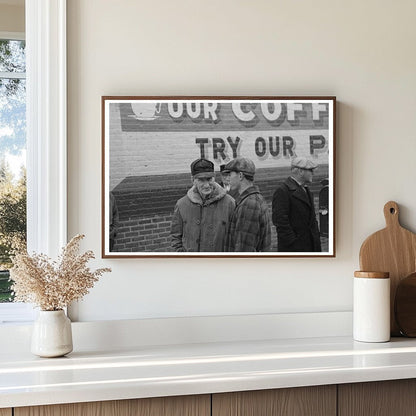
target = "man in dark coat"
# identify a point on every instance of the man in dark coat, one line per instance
(250, 228)
(293, 210)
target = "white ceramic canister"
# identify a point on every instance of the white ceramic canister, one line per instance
(371, 309)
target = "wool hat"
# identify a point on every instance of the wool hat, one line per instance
(303, 163)
(241, 164)
(202, 168)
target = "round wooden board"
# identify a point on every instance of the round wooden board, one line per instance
(393, 250)
(405, 305)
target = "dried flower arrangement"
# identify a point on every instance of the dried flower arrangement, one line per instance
(53, 285)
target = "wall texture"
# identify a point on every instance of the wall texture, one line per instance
(361, 52)
(12, 18)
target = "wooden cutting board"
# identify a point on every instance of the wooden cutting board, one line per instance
(405, 305)
(393, 250)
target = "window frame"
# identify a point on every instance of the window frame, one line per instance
(46, 138)
(46, 125)
(10, 312)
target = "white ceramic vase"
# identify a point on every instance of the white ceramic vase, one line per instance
(52, 334)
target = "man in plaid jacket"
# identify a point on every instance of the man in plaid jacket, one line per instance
(250, 228)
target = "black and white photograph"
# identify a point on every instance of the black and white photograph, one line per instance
(218, 176)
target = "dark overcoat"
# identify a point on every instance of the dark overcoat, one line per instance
(293, 214)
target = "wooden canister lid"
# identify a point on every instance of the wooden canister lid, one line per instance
(372, 275)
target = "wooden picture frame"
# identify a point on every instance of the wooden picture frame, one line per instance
(149, 143)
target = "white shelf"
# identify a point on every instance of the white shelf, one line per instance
(151, 371)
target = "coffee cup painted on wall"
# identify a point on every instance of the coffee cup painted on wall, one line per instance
(146, 111)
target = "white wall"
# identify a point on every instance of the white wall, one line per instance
(363, 52)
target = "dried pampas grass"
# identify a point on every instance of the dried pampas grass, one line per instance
(53, 285)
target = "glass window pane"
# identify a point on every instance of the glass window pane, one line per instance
(12, 117)
(12, 174)
(12, 56)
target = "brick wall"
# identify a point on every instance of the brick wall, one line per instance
(150, 233)
(146, 205)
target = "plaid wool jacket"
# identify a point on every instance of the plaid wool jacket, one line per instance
(250, 228)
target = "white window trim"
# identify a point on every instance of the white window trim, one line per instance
(46, 134)
(12, 35)
(13, 75)
(46, 125)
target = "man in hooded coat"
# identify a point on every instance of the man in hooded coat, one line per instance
(202, 217)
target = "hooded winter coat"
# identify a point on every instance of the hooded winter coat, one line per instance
(199, 225)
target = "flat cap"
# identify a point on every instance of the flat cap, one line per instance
(303, 163)
(241, 164)
(202, 168)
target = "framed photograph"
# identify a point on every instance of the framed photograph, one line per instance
(218, 176)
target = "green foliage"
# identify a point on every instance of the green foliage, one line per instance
(12, 55)
(6, 294)
(12, 213)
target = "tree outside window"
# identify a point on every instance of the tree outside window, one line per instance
(12, 156)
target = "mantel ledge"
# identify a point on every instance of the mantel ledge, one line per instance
(199, 368)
